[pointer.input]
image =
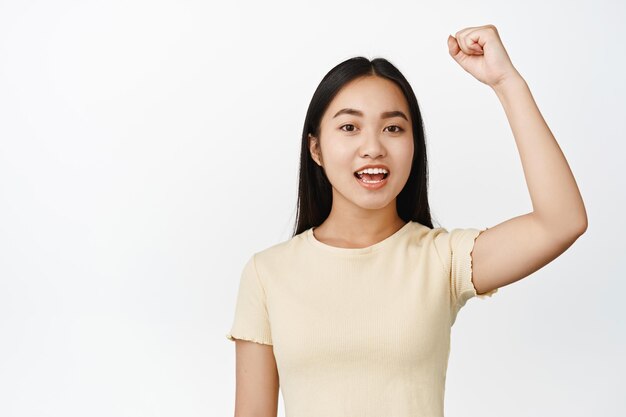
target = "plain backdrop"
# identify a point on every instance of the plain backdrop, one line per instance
(148, 148)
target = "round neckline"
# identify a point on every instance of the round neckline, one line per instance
(310, 237)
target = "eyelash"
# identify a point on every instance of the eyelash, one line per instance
(350, 124)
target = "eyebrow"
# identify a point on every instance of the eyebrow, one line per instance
(383, 115)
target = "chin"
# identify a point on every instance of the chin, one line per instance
(367, 199)
(373, 202)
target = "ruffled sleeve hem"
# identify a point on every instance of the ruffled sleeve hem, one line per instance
(262, 340)
(471, 269)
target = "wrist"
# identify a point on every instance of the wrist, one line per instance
(512, 82)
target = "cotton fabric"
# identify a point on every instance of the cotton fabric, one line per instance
(359, 332)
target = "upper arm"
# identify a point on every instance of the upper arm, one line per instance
(257, 382)
(515, 249)
(256, 370)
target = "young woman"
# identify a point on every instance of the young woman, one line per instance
(353, 314)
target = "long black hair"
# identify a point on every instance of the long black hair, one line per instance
(314, 189)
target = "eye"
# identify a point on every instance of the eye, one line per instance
(398, 127)
(348, 124)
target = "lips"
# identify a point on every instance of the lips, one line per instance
(371, 185)
(369, 176)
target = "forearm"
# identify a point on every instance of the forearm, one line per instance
(555, 197)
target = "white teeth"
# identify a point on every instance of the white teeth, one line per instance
(373, 171)
(369, 182)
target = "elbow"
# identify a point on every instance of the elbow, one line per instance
(582, 222)
(577, 231)
(568, 228)
(581, 226)
(576, 224)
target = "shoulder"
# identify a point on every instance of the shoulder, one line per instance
(446, 239)
(281, 249)
(454, 243)
(427, 237)
(281, 256)
(423, 241)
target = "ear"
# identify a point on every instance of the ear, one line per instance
(314, 149)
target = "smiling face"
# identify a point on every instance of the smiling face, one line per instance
(367, 123)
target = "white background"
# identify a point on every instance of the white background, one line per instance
(147, 148)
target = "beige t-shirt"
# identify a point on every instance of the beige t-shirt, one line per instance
(359, 332)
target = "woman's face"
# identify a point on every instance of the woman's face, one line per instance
(348, 141)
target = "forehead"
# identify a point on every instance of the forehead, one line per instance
(372, 95)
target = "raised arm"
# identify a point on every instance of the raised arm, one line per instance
(517, 247)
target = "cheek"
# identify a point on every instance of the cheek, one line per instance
(403, 156)
(407, 145)
(338, 158)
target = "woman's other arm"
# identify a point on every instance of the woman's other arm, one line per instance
(257, 381)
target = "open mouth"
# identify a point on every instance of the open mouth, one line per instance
(371, 178)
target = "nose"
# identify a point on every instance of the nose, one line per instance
(371, 145)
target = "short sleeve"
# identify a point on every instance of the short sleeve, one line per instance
(251, 321)
(456, 248)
